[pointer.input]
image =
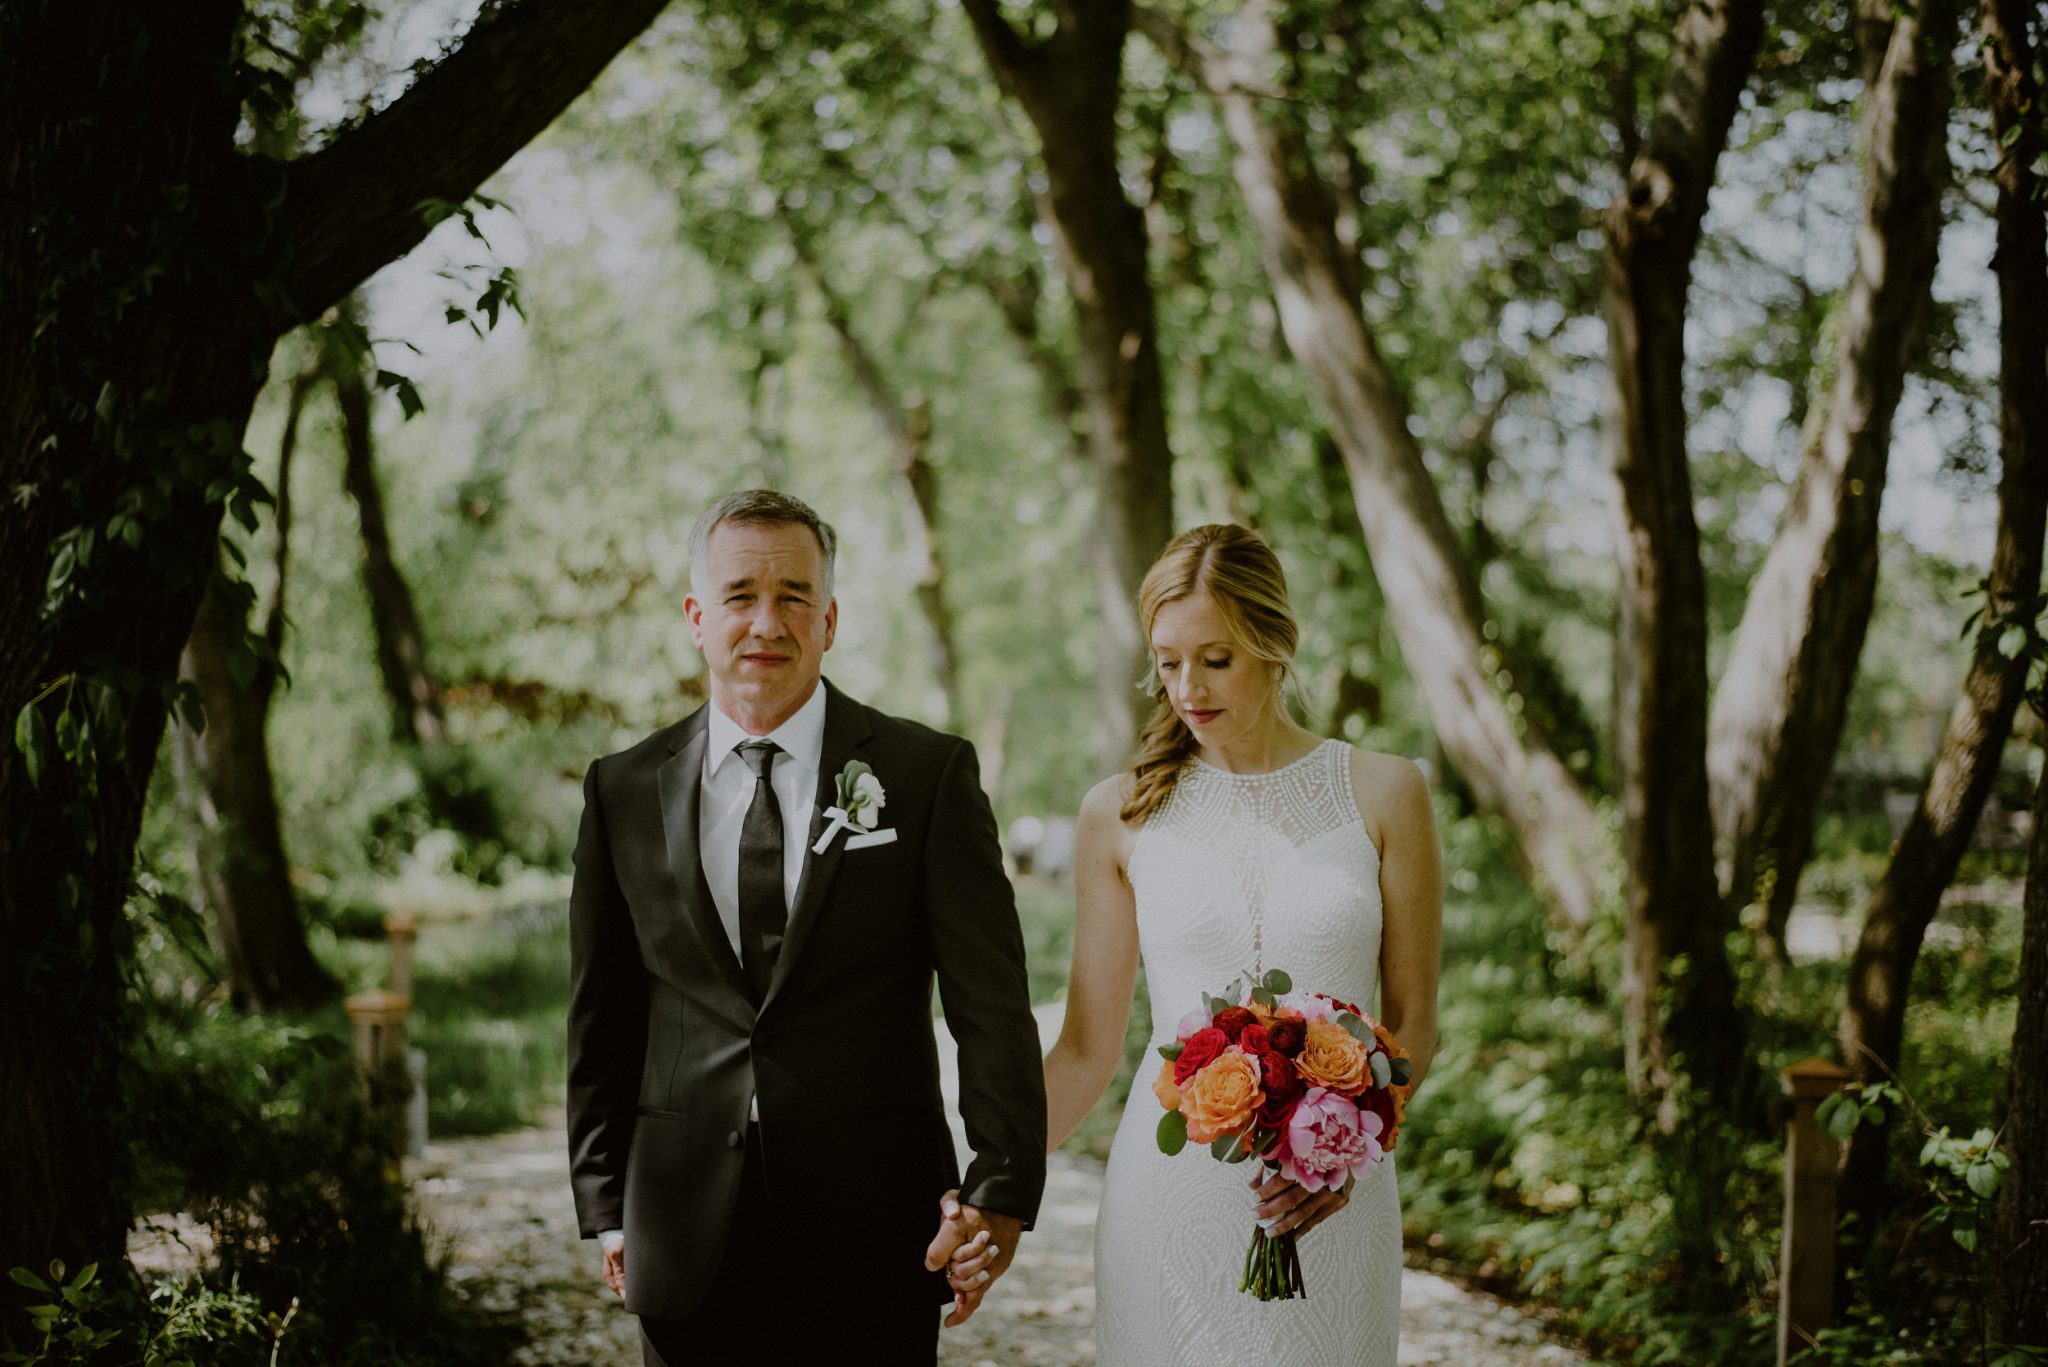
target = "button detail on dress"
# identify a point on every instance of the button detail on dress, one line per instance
(732, 1141)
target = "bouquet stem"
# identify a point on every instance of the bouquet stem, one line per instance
(1272, 1268)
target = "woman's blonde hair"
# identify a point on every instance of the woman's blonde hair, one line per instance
(1237, 569)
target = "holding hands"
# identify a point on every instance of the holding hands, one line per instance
(975, 1248)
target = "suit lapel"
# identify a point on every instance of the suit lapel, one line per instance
(846, 730)
(681, 783)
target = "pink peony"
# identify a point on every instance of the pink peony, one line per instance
(1313, 1006)
(1197, 1019)
(1327, 1140)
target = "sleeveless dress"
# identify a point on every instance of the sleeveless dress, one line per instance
(1236, 872)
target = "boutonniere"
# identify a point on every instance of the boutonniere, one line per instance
(860, 801)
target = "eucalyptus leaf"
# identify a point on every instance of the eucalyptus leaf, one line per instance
(1277, 981)
(1402, 1070)
(1358, 1029)
(1172, 1051)
(1172, 1132)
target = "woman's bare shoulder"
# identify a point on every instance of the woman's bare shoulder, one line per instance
(1392, 791)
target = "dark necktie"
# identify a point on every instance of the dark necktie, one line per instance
(764, 907)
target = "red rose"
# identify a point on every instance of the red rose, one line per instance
(1285, 1035)
(1283, 1087)
(1232, 1020)
(1341, 1006)
(1380, 1101)
(1203, 1047)
(1254, 1040)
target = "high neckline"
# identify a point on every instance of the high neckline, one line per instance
(1221, 772)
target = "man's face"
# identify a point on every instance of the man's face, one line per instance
(761, 617)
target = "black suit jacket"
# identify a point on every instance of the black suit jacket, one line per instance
(666, 1044)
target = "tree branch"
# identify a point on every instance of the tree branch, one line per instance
(354, 206)
(1008, 53)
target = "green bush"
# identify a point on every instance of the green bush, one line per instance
(254, 1127)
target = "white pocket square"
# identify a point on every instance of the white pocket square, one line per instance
(886, 836)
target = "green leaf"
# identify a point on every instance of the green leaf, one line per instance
(1982, 1179)
(1172, 1051)
(1382, 1071)
(1402, 1070)
(1965, 1237)
(1841, 1122)
(1230, 1148)
(1263, 997)
(1872, 1114)
(1358, 1029)
(2011, 642)
(1277, 982)
(32, 738)
(26, 1278)
(1173, 1132)
(85, 1276)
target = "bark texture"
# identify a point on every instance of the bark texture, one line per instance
(1780, 704)
(1069, 86)
(1678, 1020)
(147, 266)
(2019, 1312)
(1432, 598)
(1966, 764)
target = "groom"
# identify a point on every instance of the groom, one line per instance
(755, 1127)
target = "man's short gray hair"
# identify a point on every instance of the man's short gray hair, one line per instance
(761, 508)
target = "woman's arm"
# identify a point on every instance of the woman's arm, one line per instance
(1411, 900)
(1105, 969)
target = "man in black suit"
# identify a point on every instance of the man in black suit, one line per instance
(764, 893)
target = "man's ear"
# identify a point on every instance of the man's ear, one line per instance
(831, 623)
(693, 613)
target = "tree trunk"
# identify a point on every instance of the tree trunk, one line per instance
(242, 867)
(1069, 85)
(2019, 1312)
(1672, 908)
(147, 267)
(244, 876)
(1778, 711)
(1431, 597)
(1966, 765)
(409, 687)
(906, 421)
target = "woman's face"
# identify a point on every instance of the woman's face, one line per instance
(1220, 690)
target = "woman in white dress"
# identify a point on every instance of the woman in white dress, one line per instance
(1238, 840)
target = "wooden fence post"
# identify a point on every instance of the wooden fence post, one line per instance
(402, 930)
(379, 1020)
(1806, 1261)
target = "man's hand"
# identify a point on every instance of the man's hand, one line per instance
(975, 1247)
(615, 1263)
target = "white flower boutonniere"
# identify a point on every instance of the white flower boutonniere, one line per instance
(861, 799)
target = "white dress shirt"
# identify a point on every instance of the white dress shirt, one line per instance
(728, 790)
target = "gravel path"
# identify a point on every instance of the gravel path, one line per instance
(502, 1204)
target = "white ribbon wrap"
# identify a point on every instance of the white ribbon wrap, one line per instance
(836, 821)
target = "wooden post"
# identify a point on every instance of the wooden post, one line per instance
(379, 1020)
(1806, 1261)
(402, 930)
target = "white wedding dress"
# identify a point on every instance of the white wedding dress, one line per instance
(1235, 872)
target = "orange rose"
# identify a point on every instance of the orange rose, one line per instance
(1223, 1098)
(1331, 1058)
(1163, 1088)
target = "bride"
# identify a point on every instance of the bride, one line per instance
(1239, 840)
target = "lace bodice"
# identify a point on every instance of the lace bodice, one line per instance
(1240, 872)
(1237, 873)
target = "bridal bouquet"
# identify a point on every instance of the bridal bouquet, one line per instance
(1307, 1084)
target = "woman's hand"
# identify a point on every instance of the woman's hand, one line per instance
(1284, 1206)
